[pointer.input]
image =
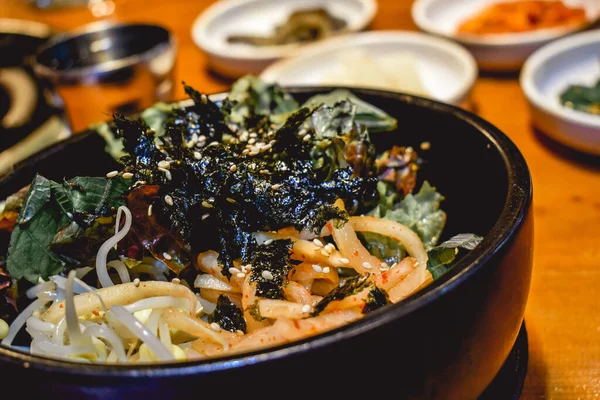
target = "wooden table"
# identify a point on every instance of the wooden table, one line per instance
(563, 313)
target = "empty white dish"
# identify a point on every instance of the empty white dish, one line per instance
(498, 52)
(259, 17)
(550, 71)
(446, 70)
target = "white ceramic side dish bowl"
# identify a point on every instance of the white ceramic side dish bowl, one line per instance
(499, 52)
(550, 71)
(446, 70)
(259, 17)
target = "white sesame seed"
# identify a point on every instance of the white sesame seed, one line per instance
(112, 174)
(169, 200)
(305, 308)
(215, 327)
(205, 216)
(276, 186)
(213, 143)
(167, 256)
(330, 247)
(164, 164)
(317, 268)
(229, 199)
(306, 138)
(197, 155)
(233, 168)
(425, 146)
(253, 135)
(267, 275)
(325, 253)
(241, 275)
(318, 243)
(176, 281)
(239, 332)
(253, 153)
(326, 270)
(384, 265)
(246, 151)
(366, 265)
(150, 210)
(234, 270)
(136, 282)
(268, 242)
(206, 204)
(127, 175)
(252, 141)
(344, 261)
(202, 138)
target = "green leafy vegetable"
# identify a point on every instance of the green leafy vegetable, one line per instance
(441, 257)
(339, 142)
(251, 99)
(420, 212)
(55, 214)
(582, 98)
(373, 118)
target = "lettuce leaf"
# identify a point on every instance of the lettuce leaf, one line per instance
(251, 99)
(56, 214)
(442, 257)
(371, 117)
(420, 212)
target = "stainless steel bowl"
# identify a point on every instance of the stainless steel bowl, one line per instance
(107, 68)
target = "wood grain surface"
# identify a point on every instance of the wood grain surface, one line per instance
(563, 313)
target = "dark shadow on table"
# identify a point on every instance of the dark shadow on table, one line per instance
(503, 75)
(220, 78)
(537, 371)
(585, 160)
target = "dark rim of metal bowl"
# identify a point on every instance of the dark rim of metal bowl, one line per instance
(106, 66)
(508, 224)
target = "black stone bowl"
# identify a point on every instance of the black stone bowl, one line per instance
(446, 342)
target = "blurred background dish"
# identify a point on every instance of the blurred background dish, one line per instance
(502, 36)
(560, 82)
(107, 68)
(244, 36)
(28, 119)
(392, 60)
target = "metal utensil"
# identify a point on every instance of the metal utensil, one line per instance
(107, 68)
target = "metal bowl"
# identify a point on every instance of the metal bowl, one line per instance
(107, 68)
(446, 342)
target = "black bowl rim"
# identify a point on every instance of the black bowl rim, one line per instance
(512, 217)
